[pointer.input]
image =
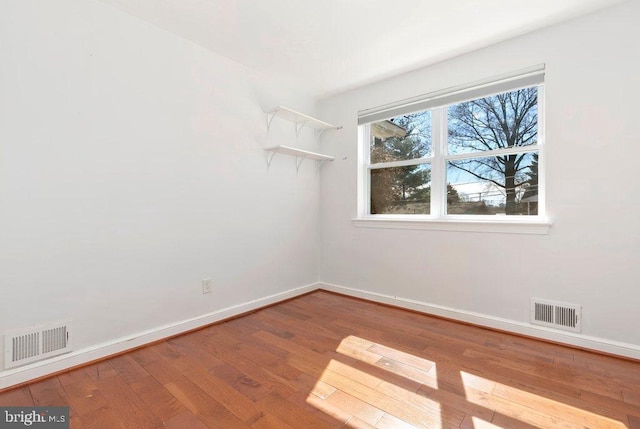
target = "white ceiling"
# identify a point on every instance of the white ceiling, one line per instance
(329, 46)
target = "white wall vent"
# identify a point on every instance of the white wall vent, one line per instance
(36, 343)
(556, 314)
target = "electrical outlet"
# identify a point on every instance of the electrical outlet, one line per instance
(207, 285)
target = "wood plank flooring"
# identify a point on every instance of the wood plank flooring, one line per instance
(328, 361)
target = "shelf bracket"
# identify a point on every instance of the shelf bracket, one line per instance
(270, 116)
(299, 160)
(270, 156)
(299, 127)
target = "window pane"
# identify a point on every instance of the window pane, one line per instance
(401, 190)
(400, 138)
(506, 185)
(497, 122)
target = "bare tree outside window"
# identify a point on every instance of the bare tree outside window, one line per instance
(504, 121)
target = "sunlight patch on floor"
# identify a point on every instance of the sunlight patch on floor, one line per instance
(478, 423)
(392, 360)
(373, 384)
(377, 384)
(504, 399)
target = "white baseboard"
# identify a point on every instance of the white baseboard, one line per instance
(80, 357)
(578, 340)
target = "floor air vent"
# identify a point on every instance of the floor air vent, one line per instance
(556, 314)
(36, 343)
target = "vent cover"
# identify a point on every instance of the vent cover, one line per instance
(36, 343)
(556, 314)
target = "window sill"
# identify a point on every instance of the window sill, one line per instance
(537, 226)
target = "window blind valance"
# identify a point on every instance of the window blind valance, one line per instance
(496, 85)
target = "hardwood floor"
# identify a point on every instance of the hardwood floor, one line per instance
(328, 361)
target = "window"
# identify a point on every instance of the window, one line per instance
(466, 154)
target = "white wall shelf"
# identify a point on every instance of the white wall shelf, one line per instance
(299, 119)
(300, 155)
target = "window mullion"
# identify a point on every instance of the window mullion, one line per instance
(364, 175)
(496, 152)
(401, 163)
(438, 180)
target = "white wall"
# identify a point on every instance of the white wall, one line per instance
(131, 167)
(591, 255)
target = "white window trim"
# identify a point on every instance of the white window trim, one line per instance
(438, 221)
(539, 227)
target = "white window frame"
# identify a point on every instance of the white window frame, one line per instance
(438, 104)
